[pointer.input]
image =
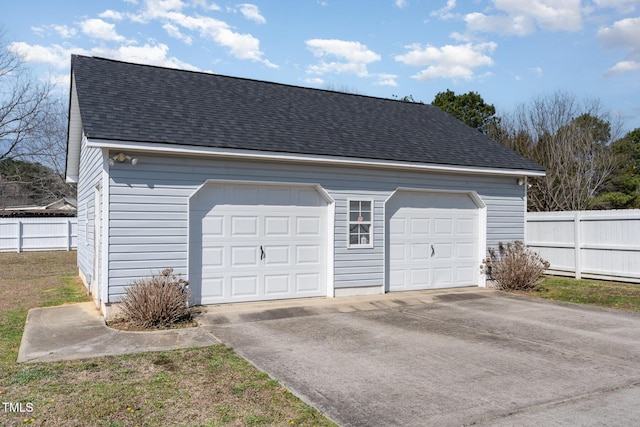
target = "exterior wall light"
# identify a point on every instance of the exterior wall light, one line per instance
(520, 181)
(121, 158)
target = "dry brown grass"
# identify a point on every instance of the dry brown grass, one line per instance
(27, 278)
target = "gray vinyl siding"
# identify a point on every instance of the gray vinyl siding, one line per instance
(90, 173)
(148, 224)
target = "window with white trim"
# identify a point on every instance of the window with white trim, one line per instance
(360, 223)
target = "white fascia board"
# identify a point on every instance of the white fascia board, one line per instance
(301, 158)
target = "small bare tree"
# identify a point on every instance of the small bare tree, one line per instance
(25, 106)
(571, 140)
(33, 132)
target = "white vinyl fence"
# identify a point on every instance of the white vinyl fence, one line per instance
(588, 244)
(38, 234)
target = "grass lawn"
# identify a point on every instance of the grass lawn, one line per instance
(209, 386)
(623, 296)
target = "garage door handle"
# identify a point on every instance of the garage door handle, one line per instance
(433, 251)
(262, 254)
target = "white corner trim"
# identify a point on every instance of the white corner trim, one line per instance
(301, 158)
(104, 267)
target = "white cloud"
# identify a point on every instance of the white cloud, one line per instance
(252, 13)
(445, 12)
(158, 9)
(454, 62)
(64, 31)
(353, 57)
(537, 71)
(155, 54)
(111, 14)
(500, 24)
(174, 32)
(623, 34)
(203, 4)
(314, 81)
(623, 67)
(241, 46)
(385, 79)
(99, 29)
(401, 3)
(59, 56)
(521, 17)
(624, 6)
(54, 55)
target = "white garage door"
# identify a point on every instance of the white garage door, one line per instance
(432, 241)
(257, 242)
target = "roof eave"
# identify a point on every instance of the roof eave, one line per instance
(301, 158)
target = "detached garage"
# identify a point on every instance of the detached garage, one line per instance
(258, 191)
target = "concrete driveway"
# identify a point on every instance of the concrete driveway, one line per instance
(461, 357)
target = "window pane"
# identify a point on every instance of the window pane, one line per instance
(353, 239)
(353, 216)
(354, 206)
(366, 216)
(364, 229)
(366, 206)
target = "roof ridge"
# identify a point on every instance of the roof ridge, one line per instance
(249, 79)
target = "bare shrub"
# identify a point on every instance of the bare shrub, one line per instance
(157, 301)
(515, 267)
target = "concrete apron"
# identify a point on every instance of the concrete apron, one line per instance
(78, 331)
(455, 357)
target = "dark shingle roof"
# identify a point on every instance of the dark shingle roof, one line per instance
(131, 102)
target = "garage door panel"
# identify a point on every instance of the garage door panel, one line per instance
(244, 256)
(277, 255)
(277, 284)
(308, 226)
(213, 257)
(419, 252)
(308, 283)
(213, 225)
(308, 254)
(465, 251)
(396, 252)
(419, 278)
(244, 286)
(212, 287)
(443, 227)
(397, 227)
(244, 226)
(443, 251)
(419, 227)
(465, 276)
(443, 276)
(432, 234)
(466, 226)
(258, 242)
(277, 226)
(397, 279)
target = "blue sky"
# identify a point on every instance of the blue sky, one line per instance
(509, 51)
